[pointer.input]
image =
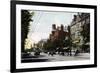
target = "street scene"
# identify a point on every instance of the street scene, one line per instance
(50, 36)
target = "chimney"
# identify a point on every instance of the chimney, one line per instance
(62, 27)
(53, 27)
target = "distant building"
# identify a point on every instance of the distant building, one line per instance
(58, 33)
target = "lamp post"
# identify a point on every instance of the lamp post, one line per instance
(69, 38)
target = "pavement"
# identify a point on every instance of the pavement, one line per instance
(80, 56)
(43, 57)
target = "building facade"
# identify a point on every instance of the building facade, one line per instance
(58, 33)
(80, 29)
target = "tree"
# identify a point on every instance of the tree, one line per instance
(26, 16)
(86, 35)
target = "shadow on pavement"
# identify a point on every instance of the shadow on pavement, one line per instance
(33, 60)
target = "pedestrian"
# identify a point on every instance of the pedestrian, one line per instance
(51, 53)
(76, 53)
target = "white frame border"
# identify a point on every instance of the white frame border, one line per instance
(20, 65)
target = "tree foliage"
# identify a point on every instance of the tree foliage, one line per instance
(26, 16)
(86, 33)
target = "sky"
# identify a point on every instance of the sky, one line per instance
(41, 26)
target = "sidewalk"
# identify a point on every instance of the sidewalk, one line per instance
(83, 55)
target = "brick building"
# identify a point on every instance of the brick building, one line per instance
(58, 33)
